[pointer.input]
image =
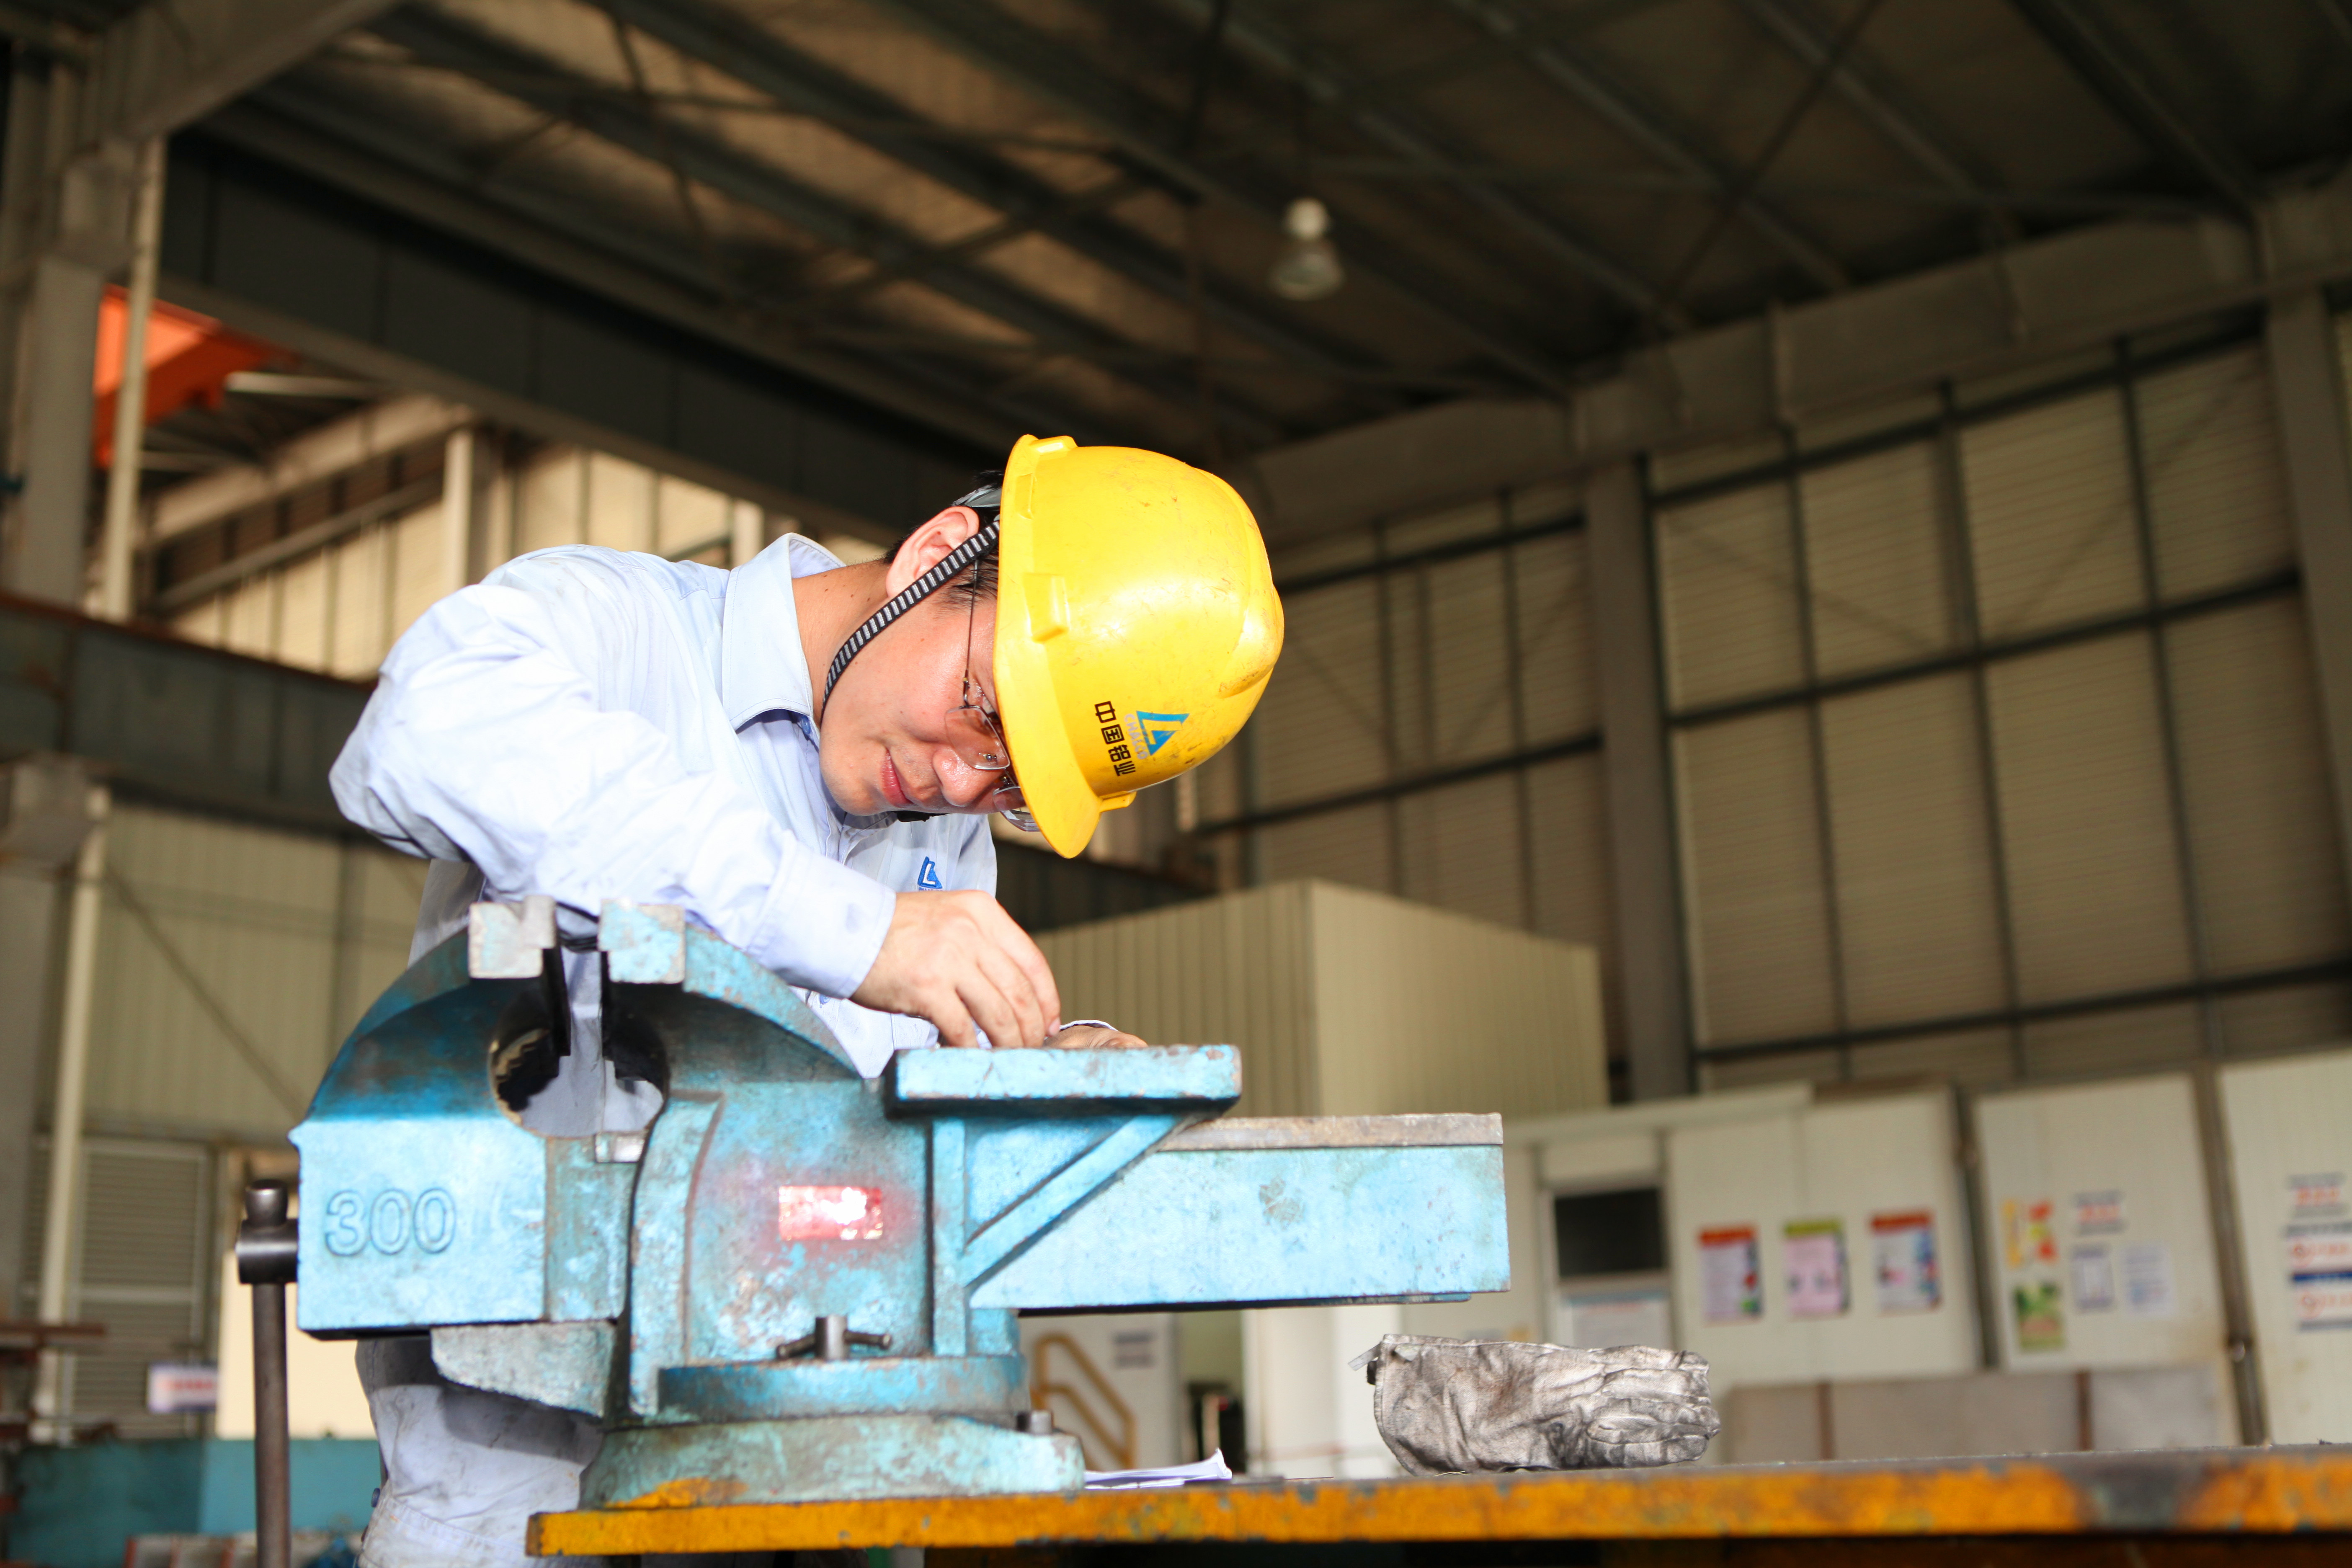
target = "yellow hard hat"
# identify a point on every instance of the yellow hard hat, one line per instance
(1136, 623)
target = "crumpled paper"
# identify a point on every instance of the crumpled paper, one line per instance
(1450, 1405)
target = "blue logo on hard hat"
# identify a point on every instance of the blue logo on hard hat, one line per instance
(930, 876)
(1158, 728)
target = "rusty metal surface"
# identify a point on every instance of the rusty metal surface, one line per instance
(2265, 1491)
(1836, 1551)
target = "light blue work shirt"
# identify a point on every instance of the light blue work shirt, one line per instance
(596, 724)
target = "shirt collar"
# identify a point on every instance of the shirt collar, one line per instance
(761, 668)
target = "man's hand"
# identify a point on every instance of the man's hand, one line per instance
(1093, 1038)
(958, 960)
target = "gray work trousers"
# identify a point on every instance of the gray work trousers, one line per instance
(464, 1469)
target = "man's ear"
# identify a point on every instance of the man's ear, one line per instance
(928, 546)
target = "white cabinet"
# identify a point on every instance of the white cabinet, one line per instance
(2289, 1128)
(1824, 1240)
(2099, 1227)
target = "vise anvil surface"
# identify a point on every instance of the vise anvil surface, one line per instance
(801, 1284)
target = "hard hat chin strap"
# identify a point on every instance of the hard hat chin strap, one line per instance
(951, 565)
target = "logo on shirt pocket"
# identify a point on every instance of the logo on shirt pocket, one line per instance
(931, 875)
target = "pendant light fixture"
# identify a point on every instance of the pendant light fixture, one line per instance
(1307, 265)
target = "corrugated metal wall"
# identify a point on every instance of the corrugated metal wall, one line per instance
(233, 960)
(1431, 729)
(142, 1267)
(340, 608)
(1349, 1003)
(1995, 739)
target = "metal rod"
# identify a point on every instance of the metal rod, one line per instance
(272, 1495)
(266, 1251)
(1817, 761)
(115, 596)
(458, 505)
(2250, 983)
(62, 1225)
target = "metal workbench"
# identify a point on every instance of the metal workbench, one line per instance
(2284, 1506)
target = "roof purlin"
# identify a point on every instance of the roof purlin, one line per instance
(599, 109)
(771, 66)
(1051, 72)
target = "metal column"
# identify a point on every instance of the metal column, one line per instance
(1651, 998)
(56, 359)
(117, 586)
(44, 825)
(65, 225)
(31, 914)
(2305, 379)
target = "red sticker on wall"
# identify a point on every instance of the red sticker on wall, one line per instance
(828, 1213)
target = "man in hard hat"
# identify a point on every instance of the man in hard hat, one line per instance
(802, 755)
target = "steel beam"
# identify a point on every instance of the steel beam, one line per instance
(56, 359)
(32, 916)
(69, 200)
(2108, 64)
(328, 140)
(1575, 72)
(2307, 383)
(1058, 76)
(1653, 1003)
(2014, 1015)
(318, 536)
(1254, 38)
(1874, 94)
(2021, 305)
(592, 106)
(1998, 201)
(1421, 75)
(166, 65)
(751, 55)
(966, 346)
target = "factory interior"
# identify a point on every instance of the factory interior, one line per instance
(1814, 547)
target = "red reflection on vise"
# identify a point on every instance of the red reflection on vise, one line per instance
(828, 1213)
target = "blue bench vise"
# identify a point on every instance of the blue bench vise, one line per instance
(800, 1284)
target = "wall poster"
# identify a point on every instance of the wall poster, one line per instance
(2041, 1321)
(1730, 1278)
(2094, 1278)
(2148, 1288)
(2098, 1213)
(1814, 1252)
(2319, 1252)
(1903, 1255)
(2028, 1234)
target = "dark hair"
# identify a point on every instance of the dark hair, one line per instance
(979, 581)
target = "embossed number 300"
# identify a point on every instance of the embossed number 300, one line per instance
(391, 1222)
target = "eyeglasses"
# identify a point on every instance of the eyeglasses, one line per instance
(1007, 798)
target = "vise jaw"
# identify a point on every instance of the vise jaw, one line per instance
(800, 1284)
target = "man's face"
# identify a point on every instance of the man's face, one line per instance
(896, 733)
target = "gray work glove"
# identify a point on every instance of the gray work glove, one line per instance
(1447, 1405)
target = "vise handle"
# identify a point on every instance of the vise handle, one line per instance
(830, 1340)
(266, 1256)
